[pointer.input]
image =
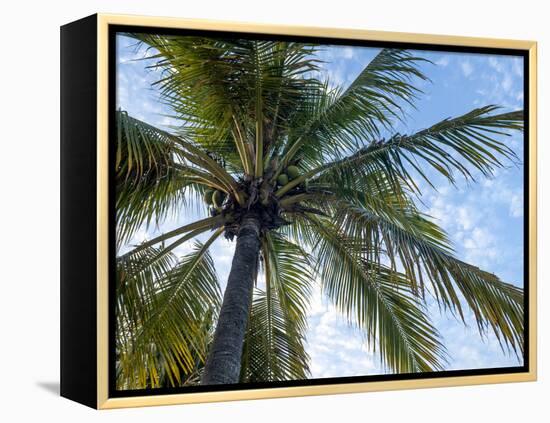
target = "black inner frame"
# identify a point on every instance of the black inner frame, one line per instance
(116, 29)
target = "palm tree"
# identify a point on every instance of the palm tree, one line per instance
(298, 173)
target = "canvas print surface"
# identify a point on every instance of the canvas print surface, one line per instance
(290, 211)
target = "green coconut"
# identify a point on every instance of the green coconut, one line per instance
(217, 198)
(208, 196)
(293, 172)
(282, 179)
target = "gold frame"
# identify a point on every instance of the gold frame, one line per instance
(103, 22)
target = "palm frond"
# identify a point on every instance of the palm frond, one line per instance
(275, 345)
(156, 172)
(378, 300)
(190, 230)
(148, 186)
(164, 316)
(408, 238)
(289, 271)
(473, 141)
(226, 90)
(340, 120)
(273, 350)
(473, 137)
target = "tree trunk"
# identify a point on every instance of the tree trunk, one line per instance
(223, 365)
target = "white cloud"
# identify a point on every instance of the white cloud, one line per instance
(468, 350)
(503, 82)
(467, 68)
(222, 253)
(518, 66)
(335, 349)
(443, 61)
(474, 217)
(480, 247)
(496, 64)
(519, 95)
(184, 249)
(516, 205)
(348, 52)
(506, 83)
(465, 218)
(499, 192)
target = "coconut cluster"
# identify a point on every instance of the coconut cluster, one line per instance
(214, 198)
(292, 172)
(217, 200)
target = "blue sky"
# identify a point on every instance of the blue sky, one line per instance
(483, 220)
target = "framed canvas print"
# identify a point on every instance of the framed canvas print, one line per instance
(253, 211)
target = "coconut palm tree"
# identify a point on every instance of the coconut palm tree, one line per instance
(315, 186)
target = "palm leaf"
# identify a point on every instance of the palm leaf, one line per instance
(148, 186)
(378, 300)
(423, 250)
(188, 231)
(274, 348)
(156, 172)
(339, 120)
(164, 316)
(226, 90)
(467, 142)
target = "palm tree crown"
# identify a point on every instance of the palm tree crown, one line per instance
(298, 172)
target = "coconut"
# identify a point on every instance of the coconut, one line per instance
(217, 198)
(293, 172)
(208, 196)
(282, 179)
